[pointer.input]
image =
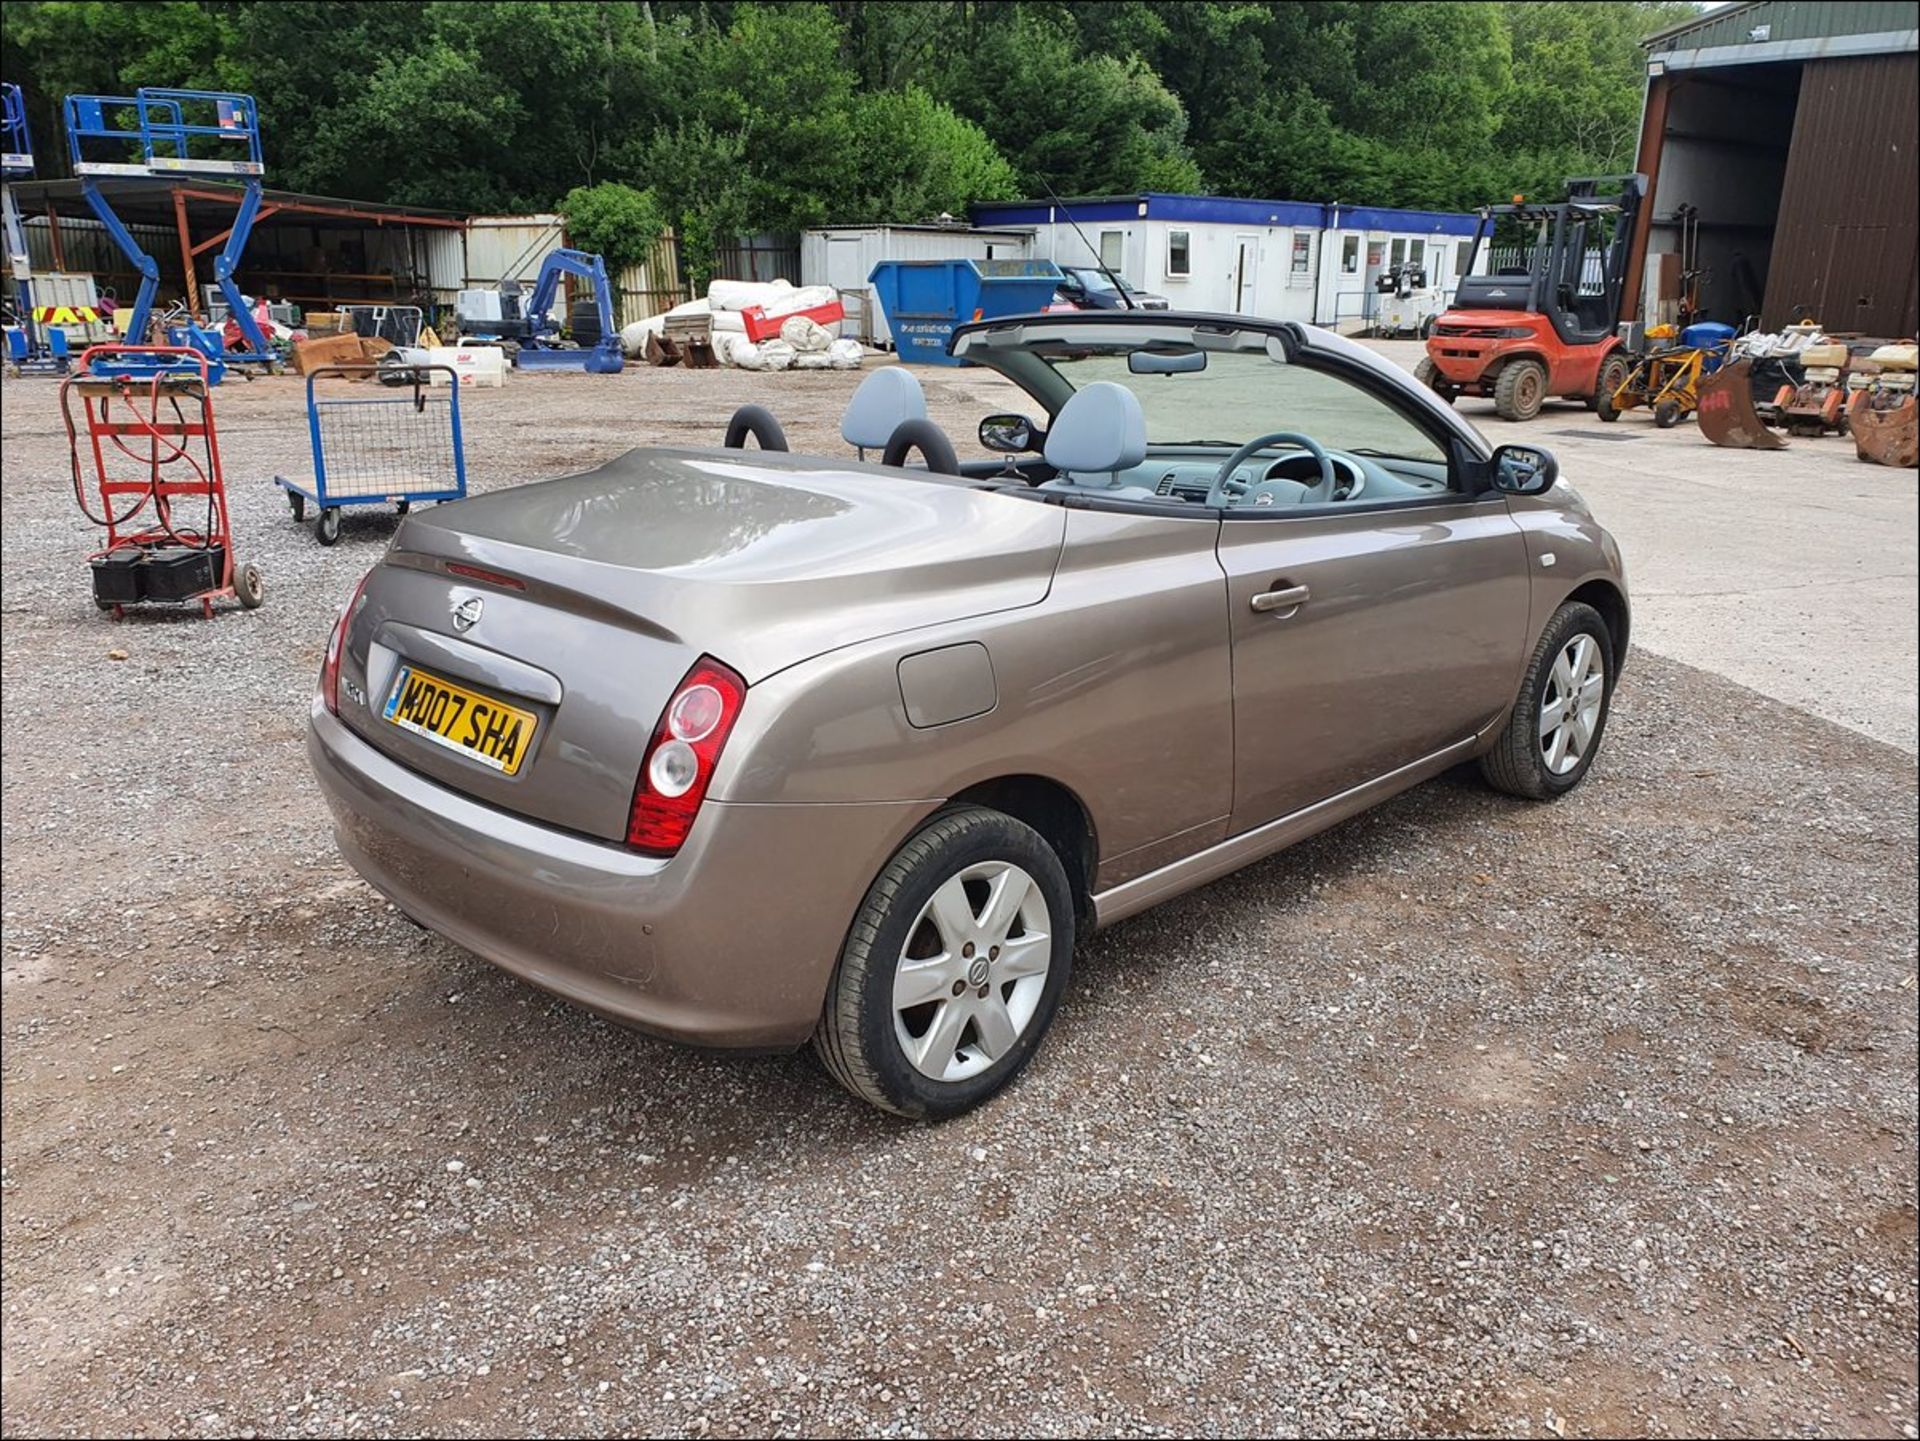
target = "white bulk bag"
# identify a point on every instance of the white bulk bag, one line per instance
(805, 335)
(739, 294)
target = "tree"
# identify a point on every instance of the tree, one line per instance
(614, 221)
(917, 160)
(741, 116)
(1084, 124)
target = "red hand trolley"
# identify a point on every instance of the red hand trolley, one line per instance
(142, 430)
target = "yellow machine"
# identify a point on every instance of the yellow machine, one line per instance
(1667, 376)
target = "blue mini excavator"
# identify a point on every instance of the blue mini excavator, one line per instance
(510, 317)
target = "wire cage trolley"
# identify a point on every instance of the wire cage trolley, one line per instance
(156, 478)
(380, 449)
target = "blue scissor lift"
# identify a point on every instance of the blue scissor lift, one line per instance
(154, 134)
(28, 349)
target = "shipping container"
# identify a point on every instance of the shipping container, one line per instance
(844, 256)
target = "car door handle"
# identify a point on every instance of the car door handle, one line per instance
(1287, 598)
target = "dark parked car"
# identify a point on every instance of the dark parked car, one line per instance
(1091, 288)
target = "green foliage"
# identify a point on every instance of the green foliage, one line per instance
(921, 160)
(1086, 124)
(723, 117)
(614, 221)
(701, 175)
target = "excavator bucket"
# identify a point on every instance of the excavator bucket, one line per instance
(1889, 436)
(1726, 412)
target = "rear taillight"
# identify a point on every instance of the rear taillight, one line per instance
(681, 757)
(336, 647)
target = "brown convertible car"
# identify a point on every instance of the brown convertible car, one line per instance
(749, 748)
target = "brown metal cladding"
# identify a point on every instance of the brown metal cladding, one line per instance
(1847, 243)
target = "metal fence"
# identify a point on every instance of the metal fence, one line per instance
(769, 256)
(1515, 259)
(656, 284)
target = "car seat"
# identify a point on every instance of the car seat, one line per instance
(1098, 433)
(888, 413)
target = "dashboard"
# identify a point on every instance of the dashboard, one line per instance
(1356, 476)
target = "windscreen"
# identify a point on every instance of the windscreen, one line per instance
(1243, 394)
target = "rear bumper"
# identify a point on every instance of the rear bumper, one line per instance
(730, 943)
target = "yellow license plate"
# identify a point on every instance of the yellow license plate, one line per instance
(487, 730)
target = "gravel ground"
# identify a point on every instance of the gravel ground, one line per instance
(1467, 1117)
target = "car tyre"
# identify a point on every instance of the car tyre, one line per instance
(1525, 760)
(1521, 390)
(863, 1037)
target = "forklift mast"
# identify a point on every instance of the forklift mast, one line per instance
(1562, 235)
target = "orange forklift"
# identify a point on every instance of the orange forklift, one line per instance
(1540, 322)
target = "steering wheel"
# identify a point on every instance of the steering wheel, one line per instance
(1225, 486)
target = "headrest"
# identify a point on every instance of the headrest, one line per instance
(1100, 429)
(884, 400)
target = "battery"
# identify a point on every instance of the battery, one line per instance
(117, 575)
(176, 572)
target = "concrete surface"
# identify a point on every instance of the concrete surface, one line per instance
(1790, 571)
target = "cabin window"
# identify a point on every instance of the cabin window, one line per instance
(1179, 254)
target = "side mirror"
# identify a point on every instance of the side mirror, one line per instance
(1009, 434)
(1524, 470)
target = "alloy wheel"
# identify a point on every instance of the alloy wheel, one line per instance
(972, 972)
(1570, 710)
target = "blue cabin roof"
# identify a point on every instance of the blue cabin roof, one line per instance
(1225, 210)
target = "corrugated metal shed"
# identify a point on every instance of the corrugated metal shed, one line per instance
(500, 247)
(1784, 21)
(1847, 242)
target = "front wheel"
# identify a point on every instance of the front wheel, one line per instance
(953, 968)
(1521, 390)
(1554, 732)
(327, 529)
(1429, 375)
(1613, 375)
